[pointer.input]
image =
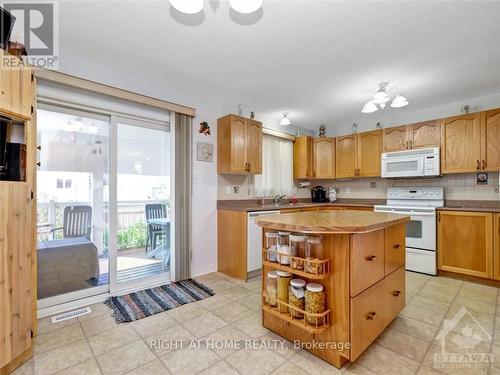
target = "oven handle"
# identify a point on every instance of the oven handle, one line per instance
(414, 213)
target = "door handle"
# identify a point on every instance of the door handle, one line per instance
(371, 315)
(396, 293)
(371, 258)
(478, 165)
(396, 246)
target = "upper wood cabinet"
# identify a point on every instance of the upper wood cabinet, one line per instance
(369, 146)
(345, 156)
(421, 135)
(303, 157)
(490, 140)
(395, 139)
(465, 243)
(324, 158)
(358, 155)
(16, 87)
(460, 143)
(239, 145)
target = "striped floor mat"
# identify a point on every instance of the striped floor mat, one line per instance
(138, 305)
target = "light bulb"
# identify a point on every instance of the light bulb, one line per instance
(245, 6)
(187, 6)
(285, 121)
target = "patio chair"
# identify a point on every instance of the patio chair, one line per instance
(77, 222)
(154, 211)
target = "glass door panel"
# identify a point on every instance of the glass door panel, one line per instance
(72, 198)
(143, 202)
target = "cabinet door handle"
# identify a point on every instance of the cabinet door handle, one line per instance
(407, 145)
(371, 315)
(371, 258)
(411, 144)
(484, 165)
(39, 148)
(39, 164)
(396, 246)
(396, 293)
(478, 165)
(249, 167)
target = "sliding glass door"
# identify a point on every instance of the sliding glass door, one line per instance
(143, 207)
(104, 204)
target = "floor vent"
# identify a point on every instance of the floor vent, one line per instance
(71, 315)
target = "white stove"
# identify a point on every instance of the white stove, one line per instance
(420, 204)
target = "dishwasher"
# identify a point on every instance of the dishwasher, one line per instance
(254, 240)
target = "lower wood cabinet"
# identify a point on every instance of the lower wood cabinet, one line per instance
(367, 260)
(496, 246)
(374, 309)
(465, 243)
(16, 274)
(394, 248)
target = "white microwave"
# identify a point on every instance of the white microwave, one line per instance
(423, 162)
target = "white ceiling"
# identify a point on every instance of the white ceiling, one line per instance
(319, 60)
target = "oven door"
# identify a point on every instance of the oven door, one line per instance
(420, 230)
(401, 166)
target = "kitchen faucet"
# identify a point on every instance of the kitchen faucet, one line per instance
(277, 199)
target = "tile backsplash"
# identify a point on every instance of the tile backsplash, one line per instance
(457, 187)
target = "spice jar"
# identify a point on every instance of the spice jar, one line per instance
(296, 297)
(271, 288)
(272, 246)
(314, 251)
(283, 248)
(283, 284)
(315, 303)
(298, 249)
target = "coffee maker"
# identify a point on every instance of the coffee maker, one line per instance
(318, 194)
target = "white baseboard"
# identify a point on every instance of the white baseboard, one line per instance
(203, 270)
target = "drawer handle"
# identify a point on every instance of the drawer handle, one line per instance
(396, 246)
(396, 293)
(370, 315)
(371, 258)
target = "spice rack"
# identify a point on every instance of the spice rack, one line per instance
(322, 320)
(320, 268)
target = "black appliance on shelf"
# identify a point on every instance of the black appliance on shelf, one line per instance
(16, 162)
(6, 24)
(318, 194)
(4, 128)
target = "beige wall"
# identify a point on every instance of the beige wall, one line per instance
(457, 186)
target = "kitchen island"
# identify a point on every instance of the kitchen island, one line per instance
(352, 263)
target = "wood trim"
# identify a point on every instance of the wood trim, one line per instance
(17, 362)
(277, 133)
(474, 279)
(100, 88)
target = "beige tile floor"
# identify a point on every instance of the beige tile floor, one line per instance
(94, 344)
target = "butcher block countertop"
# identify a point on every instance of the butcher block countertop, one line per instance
(331, 221)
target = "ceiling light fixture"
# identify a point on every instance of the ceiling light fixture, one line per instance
(380, 99)
(187, 6)
(285, 121)
(246, 6)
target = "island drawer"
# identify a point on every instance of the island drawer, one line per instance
(395, 247)
(374, 309)
(367, 260)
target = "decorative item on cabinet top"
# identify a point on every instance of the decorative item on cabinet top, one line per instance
(204, 128)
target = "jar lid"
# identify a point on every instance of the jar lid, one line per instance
(297, 283)
(283, 273)
(298, 238)
(272, 234)
(272, 275)
(314, 239)
(315, 288)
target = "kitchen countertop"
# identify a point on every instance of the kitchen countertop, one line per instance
(471, 206)
(331, 221)
(252, 205)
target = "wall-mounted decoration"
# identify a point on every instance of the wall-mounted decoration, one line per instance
(482, 178)
(204, 151)
(322, 131)
(204, 128)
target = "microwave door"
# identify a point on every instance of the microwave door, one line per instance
(404, 167)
